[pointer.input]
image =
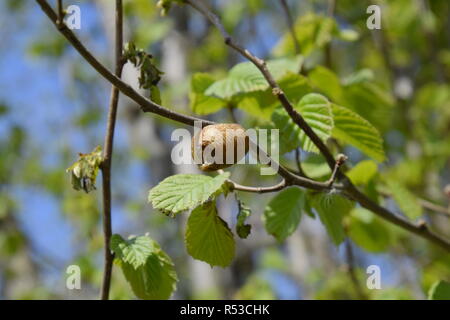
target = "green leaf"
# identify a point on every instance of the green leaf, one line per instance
(243, 229)
(201, 103)
(327, 82)
(147, 268)
(245, 77)
(406, 201)
(316, 111)
(312, 32)
(351, 128)
(261, 104)
(149, 74)
(368, 231)
(186, 191)
(282, 214)
(134, 251)
(208, 237)
(84, 171)
(363, 172)
(440, 290)
(331, 209)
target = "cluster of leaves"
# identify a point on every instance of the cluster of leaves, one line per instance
(83, 172)
(247, 89)
(149, 74)
(208, 237)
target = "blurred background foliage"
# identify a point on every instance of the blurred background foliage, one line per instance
(53, 105)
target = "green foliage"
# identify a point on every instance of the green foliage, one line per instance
(368, 231)
(83, 173)
(312, 31)
(282, 214)
(439, 291)
(363, 172)
(149, 74)
(351, 128)
(261, 104)
(245, 77)
(256, 288)
(332, 208)
(201, 103)
(316, 111)
(147, 268)
(243, 229)
(186, 191)
(406, 201)
(208, 237)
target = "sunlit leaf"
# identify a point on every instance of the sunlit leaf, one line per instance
(208, 237)
(186, 191)
(147, 268)
(282, 214)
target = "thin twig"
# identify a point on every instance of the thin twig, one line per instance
(434, 207)
(60, 10)
(424, 203)
(298, 162)
(290, 23)
(107, 157)
(340, 160)
(274, 188)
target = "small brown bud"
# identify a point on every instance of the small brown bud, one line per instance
(211, 146)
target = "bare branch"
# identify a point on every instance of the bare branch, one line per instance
(274, 188)
(107, 157)
(340, 160)
(146, 104)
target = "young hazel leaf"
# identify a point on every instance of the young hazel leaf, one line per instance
(331, 209)
(147, 268)
(84, 171)
(186, 191)
(316, 111)
(208, 237)
(201, 103)
(282, 214)
(245, 77)
(368, 231)
(351, 128)
(363, 172)
(406, 201)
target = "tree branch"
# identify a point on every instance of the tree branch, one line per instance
(107, 156)
(150, 106)
(274, 188)
(146, 104)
